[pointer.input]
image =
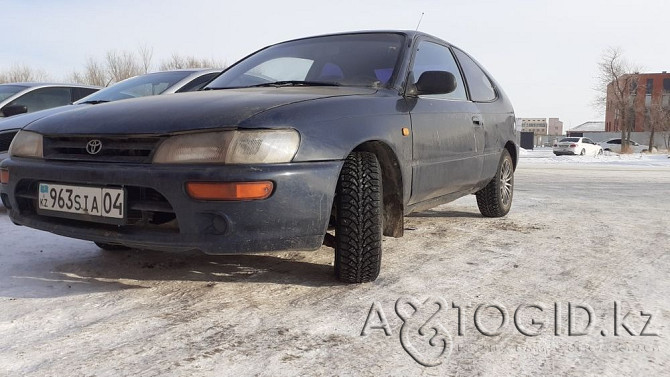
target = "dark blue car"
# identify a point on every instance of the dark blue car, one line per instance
(347, 132)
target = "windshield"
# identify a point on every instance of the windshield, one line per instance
(353, 60)
(140, 86)
(7, 91)
(570, 139)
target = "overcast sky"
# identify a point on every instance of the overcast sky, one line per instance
(543, 53)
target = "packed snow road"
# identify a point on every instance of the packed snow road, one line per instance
(585, 238)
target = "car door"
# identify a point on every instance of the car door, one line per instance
(614, 145)
(445, 149)
(494, 115)
(589, 145)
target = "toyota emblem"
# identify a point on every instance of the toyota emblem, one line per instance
(94, 146)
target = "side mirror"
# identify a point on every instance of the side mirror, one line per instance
(14, 110)
(436, 82)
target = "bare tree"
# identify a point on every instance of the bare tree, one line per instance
(177, 61)
(94, 74)
(23, 73)
(122, 65)
(657, 119)
(617, 85)
(146, 54)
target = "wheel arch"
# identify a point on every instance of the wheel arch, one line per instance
(392, 186)
(512, 149)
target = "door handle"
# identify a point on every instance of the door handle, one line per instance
(477, 120)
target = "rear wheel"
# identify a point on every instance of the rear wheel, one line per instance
(495, 200)
(111, 247)
(583, 152)
(358, 220)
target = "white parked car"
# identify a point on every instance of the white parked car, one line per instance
(614, 145)
(577, 146)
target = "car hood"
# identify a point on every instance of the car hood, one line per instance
(183, 112)
(20, 121)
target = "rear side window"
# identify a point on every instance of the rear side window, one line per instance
(434, 57)
(79, 93)
(481, 89)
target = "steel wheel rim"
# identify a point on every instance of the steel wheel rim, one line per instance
(506, 182)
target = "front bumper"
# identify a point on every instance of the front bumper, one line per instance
(294, 217)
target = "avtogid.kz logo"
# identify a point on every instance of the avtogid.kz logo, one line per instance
(421, 335)
(426, 339)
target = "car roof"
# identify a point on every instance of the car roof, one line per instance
(49, 84)
(192, 70)
(408, 33)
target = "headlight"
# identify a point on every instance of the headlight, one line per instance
(26, 144)
(230, 147)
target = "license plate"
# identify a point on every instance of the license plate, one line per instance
(101, 202)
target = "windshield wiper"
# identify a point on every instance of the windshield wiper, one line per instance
(94, 102)
(279, 84)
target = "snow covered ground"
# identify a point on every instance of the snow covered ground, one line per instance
(546, 156)
(590, 232)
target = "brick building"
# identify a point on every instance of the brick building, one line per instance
(648, 89)
(554, 127)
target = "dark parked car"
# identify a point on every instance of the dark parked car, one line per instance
(348, 132)
(167, 82)
(27, 97)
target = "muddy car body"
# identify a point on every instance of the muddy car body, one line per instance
(348, 132)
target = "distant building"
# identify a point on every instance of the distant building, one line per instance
(648, 89)
(586, 127)
(541, 129)
(554, 127)
(538, 126)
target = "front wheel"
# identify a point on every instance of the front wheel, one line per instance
(358, 219)
(495, 200)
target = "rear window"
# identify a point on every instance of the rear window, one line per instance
(570, 139)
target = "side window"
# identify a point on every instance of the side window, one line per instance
(44, 98)
(79, 93)
(434, 57)
(197, 83)
(481, 89)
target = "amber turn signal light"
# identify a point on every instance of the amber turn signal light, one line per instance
(4, 176)
(229, 190)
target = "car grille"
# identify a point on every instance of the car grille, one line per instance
(147, 209)
(6, 139)
(114, 149)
